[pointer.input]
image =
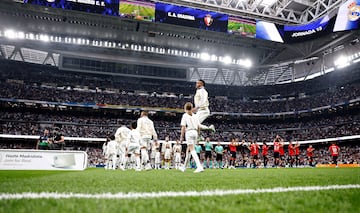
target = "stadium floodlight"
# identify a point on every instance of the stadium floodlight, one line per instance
(342, 62)
(44, 38)
(246, 63)
(205, 56)
(356, 60)
(10, 34)
(226, 59)
(31, 36)
(214, 58)
(329, 70)
(20, 35)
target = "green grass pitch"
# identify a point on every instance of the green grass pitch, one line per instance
(97, 181)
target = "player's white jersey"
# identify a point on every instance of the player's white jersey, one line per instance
(134, 137)
(201, 98)
(133, 144)
(190, 121)
(177, 148)
(166, 145)
(146, 128)
(122, 134)
(112, 147)
(167, 150)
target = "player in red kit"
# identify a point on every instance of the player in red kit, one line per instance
(310, 154)
(282, 153)
(254, 152)
(277, 141)
(232, 148)
(291, 149)
(265, 149)
(334, 151)
(297, 153)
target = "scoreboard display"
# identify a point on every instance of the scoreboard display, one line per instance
(105, 7)
(190, 17)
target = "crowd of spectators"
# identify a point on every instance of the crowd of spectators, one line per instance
(29, 123)
(49, 84)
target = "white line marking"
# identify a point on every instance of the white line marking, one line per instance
(144, 195)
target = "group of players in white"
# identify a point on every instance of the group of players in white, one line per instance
(135, 144)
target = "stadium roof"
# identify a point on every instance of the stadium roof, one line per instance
(125, 40)
(277, 11)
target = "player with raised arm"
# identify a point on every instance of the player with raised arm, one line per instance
(277, 142)
(190, 127)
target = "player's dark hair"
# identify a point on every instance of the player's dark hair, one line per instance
(188, 106)
(112, 137)
(202, 81)
(145, 112)
(133, 125)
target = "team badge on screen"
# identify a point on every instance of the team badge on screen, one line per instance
(354, 12)
(208, 20)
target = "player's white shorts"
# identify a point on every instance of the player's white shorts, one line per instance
(145, 142)
(133, 148)
(167, 154)
(202, 114)
(191, 136)
(177, 157)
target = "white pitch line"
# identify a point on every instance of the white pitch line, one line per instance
(146, 195)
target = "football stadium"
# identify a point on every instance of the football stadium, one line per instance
(179, 106)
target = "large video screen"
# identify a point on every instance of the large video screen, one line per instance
(348, 17)
(313, 30)
(105, 7)
(268, 31)
(138, 9)
(242, 26)
(190, 17)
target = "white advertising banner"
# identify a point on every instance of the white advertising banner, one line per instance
(24, 159)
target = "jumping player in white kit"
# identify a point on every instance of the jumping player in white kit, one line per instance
(133, 145)
(146, 128)
(190, 127)
(202, 105)
(121, 137)
(177, 154)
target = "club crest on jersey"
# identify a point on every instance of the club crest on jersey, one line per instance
(208, 20)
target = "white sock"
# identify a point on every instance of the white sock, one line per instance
(137, 162)
(196, 158)
(204, 127)
(186, 159)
